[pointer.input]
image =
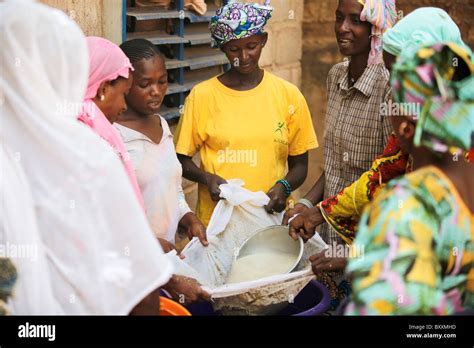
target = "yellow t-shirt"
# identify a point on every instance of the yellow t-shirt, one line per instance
(244, 135)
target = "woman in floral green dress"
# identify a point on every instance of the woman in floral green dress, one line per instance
(418, 233)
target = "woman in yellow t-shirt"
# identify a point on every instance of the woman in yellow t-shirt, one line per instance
(247, 123)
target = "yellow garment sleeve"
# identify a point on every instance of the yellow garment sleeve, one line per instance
(301, 135)
(188, 139)
(343, 211)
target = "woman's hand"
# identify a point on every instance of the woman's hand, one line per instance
(186, 290)
(213, 181)
(277, 199)
(166, 246)
(298, 209)
(193, 227)
(305, 223)
(322, 263)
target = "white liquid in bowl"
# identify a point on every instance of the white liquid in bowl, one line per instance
(260, 265)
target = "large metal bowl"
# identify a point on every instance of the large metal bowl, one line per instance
(272, 238)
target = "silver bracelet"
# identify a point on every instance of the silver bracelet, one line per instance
(305, 202)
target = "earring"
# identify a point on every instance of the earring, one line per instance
(102, 97)
(406, 129)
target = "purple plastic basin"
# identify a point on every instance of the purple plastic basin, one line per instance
(314, 299)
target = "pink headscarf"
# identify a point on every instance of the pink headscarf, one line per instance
(107, 62)
(382, 14)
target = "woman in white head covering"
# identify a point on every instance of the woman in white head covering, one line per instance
(63, 190)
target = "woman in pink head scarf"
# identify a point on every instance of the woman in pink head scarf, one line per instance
(109, 82)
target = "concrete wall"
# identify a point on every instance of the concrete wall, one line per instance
(283, 52)
(95, 17)
(320, 53)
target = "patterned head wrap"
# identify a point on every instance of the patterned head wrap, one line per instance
(238, 20)
(425, 76)
(382, 14)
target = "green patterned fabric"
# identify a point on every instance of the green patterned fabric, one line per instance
(426, 77)
(419, 250)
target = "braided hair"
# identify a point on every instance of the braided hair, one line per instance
(138, 49)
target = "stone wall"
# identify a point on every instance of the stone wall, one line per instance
(320, 53)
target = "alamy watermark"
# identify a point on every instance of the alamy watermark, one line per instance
(345, 251)
(400, 109)
(23, 251)
(28, 330)
(237, 156)
(74, 109)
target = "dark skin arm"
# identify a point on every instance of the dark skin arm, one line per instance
(186, 290)
(297, 171)
(192, 172)
(150, 305)
(306, 223)
(323, 263)
(182, 289)
(315, 195)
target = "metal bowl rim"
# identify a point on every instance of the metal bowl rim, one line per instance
(300, 240)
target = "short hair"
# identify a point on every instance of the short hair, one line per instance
(138, 49)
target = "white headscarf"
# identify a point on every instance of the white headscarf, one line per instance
(95, 250)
